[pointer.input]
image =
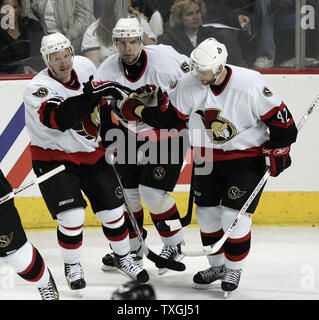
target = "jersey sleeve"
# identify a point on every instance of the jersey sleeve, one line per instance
(275, 114)
(53, 111)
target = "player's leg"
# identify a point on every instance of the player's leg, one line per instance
(107, 203)
(17, 252)
(240, 185)
(156, 181)
(63, 197)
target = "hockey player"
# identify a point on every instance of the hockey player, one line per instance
(133, 66)
(244, 123)
(63, 124)
(17, 252)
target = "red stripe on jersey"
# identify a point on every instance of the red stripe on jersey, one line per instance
(216, 234)
(72, 228)
(273, 111)
(236, 258)
(277, 123)
(164, 215)
(117, 220)
(70, 246)
(78, 158)
(119, 237)
(137, 214)
(30, 266)
(239, 240)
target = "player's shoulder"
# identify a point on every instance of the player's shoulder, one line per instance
(110, 61)
(190, 82)
(245, 75)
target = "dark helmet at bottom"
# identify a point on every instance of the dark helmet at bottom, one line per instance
(134, 291)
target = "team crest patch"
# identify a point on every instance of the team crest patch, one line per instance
(41, 92)
(266, 92)
(185, 67)
(235, 193)
(5, 240)
(119, 192)
(173, 85)
(220, 130)
(159, 173)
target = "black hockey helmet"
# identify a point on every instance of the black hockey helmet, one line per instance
(134, 291)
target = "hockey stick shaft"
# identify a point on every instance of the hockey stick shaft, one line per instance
(213, 249)
(38, 180)
(165, 263)
(172, 225)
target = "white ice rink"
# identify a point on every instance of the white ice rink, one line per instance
(283, 264)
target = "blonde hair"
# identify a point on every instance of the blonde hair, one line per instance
(179, 7)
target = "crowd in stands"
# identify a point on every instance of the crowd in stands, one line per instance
(257, 33)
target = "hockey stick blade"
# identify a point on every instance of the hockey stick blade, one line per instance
(159, 261)
(38, 180)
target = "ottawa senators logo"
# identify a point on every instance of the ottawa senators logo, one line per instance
(235, 193)
(41, 92)
(131, 111)
(5, 240)
(159, 173)
(119, 193)
(89, 127)
(220, 130)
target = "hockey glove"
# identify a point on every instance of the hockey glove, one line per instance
(95, 90)
(279, 158)
(150, 96)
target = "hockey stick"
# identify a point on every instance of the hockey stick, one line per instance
(159, 261)
(172, 225)
(38, 180)
(208, 250)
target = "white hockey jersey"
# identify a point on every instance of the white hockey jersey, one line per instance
(232, 121)
(43, 94)
(163, 67)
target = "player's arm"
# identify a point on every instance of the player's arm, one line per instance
(151, 105)
(282, 133)
(59, 114)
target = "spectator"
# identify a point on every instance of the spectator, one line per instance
(98, 7)
(271, 15)
(148, 9)
(187, 31)
(235, 22)
(71, 18)
(19, 43)
(97, 39)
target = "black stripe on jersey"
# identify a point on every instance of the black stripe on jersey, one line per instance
(282, 128)
(116, 234)
(36, 268)
(237, 249)
(69, 242)
(47, 112)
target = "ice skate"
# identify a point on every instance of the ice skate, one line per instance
(108, 260)
(204, 279)
(170, 253)
(50, 291)
(129, 266)
(230, 281)
(74, 275)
